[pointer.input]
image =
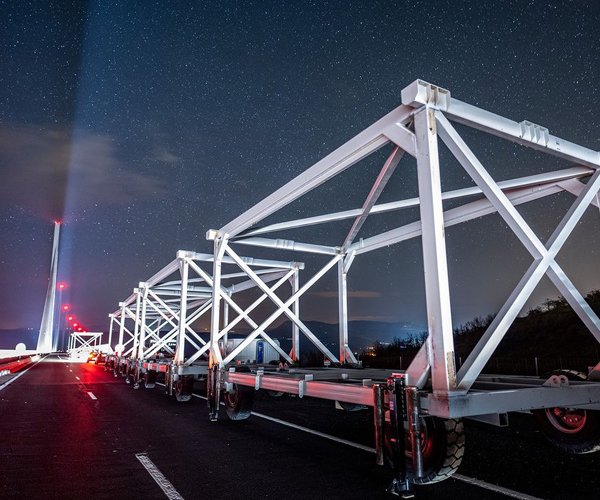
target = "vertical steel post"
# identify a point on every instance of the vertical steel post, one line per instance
(214, 352)
(437, 290)
(225, 323)
(180, 349)
(110, 330)
(343, 310)
(295, 354)
(142, 329)
(121, 328)
(136, 329)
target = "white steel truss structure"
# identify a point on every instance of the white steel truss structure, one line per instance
(159, 315)
(415, 128)
(80, 342)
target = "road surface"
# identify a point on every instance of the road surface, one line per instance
(72, 430)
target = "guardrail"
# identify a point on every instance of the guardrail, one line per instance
(14, 364)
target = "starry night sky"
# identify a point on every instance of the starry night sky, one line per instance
(143, 124)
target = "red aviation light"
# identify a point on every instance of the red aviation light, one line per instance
(75, 325)
(70, 318)
(66, 307)
(80, 329)
(61, 286)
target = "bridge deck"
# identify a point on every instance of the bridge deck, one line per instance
(59, 441)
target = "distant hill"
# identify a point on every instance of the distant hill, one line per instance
(360, 333)
(551, 335)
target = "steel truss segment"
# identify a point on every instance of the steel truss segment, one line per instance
(420, 93)
(230, 325)
(283, 308)
(437, 288)
(546, 263)
(365, 143)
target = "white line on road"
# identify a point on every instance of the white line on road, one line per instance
(158, 476)
(6, 384)
(91, 395)
(493, 487)
(77, 377)
(459, 477)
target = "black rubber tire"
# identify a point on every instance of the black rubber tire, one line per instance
(443, 444)
(573, 430)
(183, 388)
(351, 406)
(275, 394)
(238, 402)
(149, 379)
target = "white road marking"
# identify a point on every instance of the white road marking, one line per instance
(6, 384)
(493, 487)
(459, 477)
(158, 476)
(77, 377)
(91, 395)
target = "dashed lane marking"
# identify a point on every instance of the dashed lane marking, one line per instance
(77, 377)
(168, 489)
(493, 487)
(91, 395)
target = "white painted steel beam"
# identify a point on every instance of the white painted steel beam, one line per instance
(365, 143)
(384, 176)
(289, 245)
(437, 289)
(421, 93)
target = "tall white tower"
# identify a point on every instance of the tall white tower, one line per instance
(45, 343)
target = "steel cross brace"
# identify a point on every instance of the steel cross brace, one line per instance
(243, 315)
(283, 308)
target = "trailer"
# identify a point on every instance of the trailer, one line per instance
(417, 412)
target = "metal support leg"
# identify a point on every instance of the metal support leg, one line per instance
(401, 484)
(379, 422)
(413, 410)
(213, 389)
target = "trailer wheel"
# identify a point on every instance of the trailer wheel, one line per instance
(443, 446)
(238, 402)
(573, 430)
(183, 388)
(149, 379)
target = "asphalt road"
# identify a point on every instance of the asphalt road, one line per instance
(71, 430)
